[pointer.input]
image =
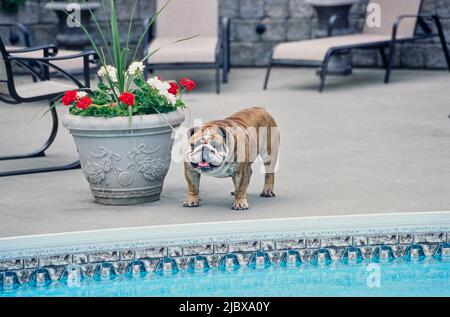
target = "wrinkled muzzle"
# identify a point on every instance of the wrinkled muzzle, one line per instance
(205, 157)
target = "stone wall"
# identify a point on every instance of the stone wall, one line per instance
(285, 20)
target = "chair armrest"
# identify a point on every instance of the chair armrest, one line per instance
(22, 28)
(420, 17)
(45, 62)
(51, 49)
(95, 58)
(336, 17)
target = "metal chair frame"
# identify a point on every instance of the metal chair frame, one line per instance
(45, 63)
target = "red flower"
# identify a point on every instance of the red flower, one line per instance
(127, 98)
(173, 88)
(187, 83)
(84, 103)
(69, 97)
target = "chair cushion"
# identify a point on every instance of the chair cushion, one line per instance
(69, 65)
(316, 49)
(43, 88)
(196, 50)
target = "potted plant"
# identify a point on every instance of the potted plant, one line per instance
(123, 127)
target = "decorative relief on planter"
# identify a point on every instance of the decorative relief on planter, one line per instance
(96, 171)
(152, 169)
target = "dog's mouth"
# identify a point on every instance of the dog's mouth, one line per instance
(204, 166)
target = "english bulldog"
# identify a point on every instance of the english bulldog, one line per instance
(227, 148)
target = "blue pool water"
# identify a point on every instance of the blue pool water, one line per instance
(398, 278)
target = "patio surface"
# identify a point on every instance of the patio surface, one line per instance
(360, 147)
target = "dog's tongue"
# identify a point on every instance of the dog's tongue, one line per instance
(203, 164)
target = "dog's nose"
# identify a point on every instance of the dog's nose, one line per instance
(204, 154)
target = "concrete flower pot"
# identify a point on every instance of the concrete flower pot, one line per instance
(124, 164)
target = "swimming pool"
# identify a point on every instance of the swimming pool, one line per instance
(398, 278)
(370, 255)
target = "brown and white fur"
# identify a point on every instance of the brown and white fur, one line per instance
(227, 148)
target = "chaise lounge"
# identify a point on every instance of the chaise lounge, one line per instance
(399, 21)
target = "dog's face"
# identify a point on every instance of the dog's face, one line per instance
(207, 150)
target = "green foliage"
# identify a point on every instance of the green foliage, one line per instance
(12, 6)
(147, 101)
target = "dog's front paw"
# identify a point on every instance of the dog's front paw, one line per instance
(191, 202)
(267, 193)
(240, 205)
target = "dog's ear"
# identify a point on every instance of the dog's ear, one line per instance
(191, 132)
(223, 131)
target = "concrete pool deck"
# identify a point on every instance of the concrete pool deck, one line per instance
(360, 147)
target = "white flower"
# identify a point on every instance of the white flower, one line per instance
(170, 98)
(158, 84)
(134, 67)
(81, 94)
(109, 70)
(163, 89)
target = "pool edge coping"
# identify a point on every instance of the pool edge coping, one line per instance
(225, 231)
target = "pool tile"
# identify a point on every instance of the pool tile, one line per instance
(359, 241)
(246, 246)
(383, 239)
(268, 245)
(103, 256)
(435, 237)
(120, 267)
(429, 248)
(306, 254)
(183, 263)
(313, 243)
(244, 258)
(275, 256)
(198, 249)
(336, 253)
(14, 264)
(406, 238)
(367, 252)
(221, 248)
(55, 272)
(175, 251)
(150, 265)
(62, 259)
(24, 276)
(151, 253)
(88, 270)
(80, 258)
(214, 260)
(399, 250)
(336, 242)
(127, 255)
(31, 263)
(290, 244)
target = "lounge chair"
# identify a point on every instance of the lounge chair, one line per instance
(399, 20)
(74, 66)
(43, 88)
(182, 19)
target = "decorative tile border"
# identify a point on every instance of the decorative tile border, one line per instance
(314, 240)
(303, 250)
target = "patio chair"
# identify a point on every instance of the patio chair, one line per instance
(182, 19)
(73, 66)
(42, 89)
(399, 21)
